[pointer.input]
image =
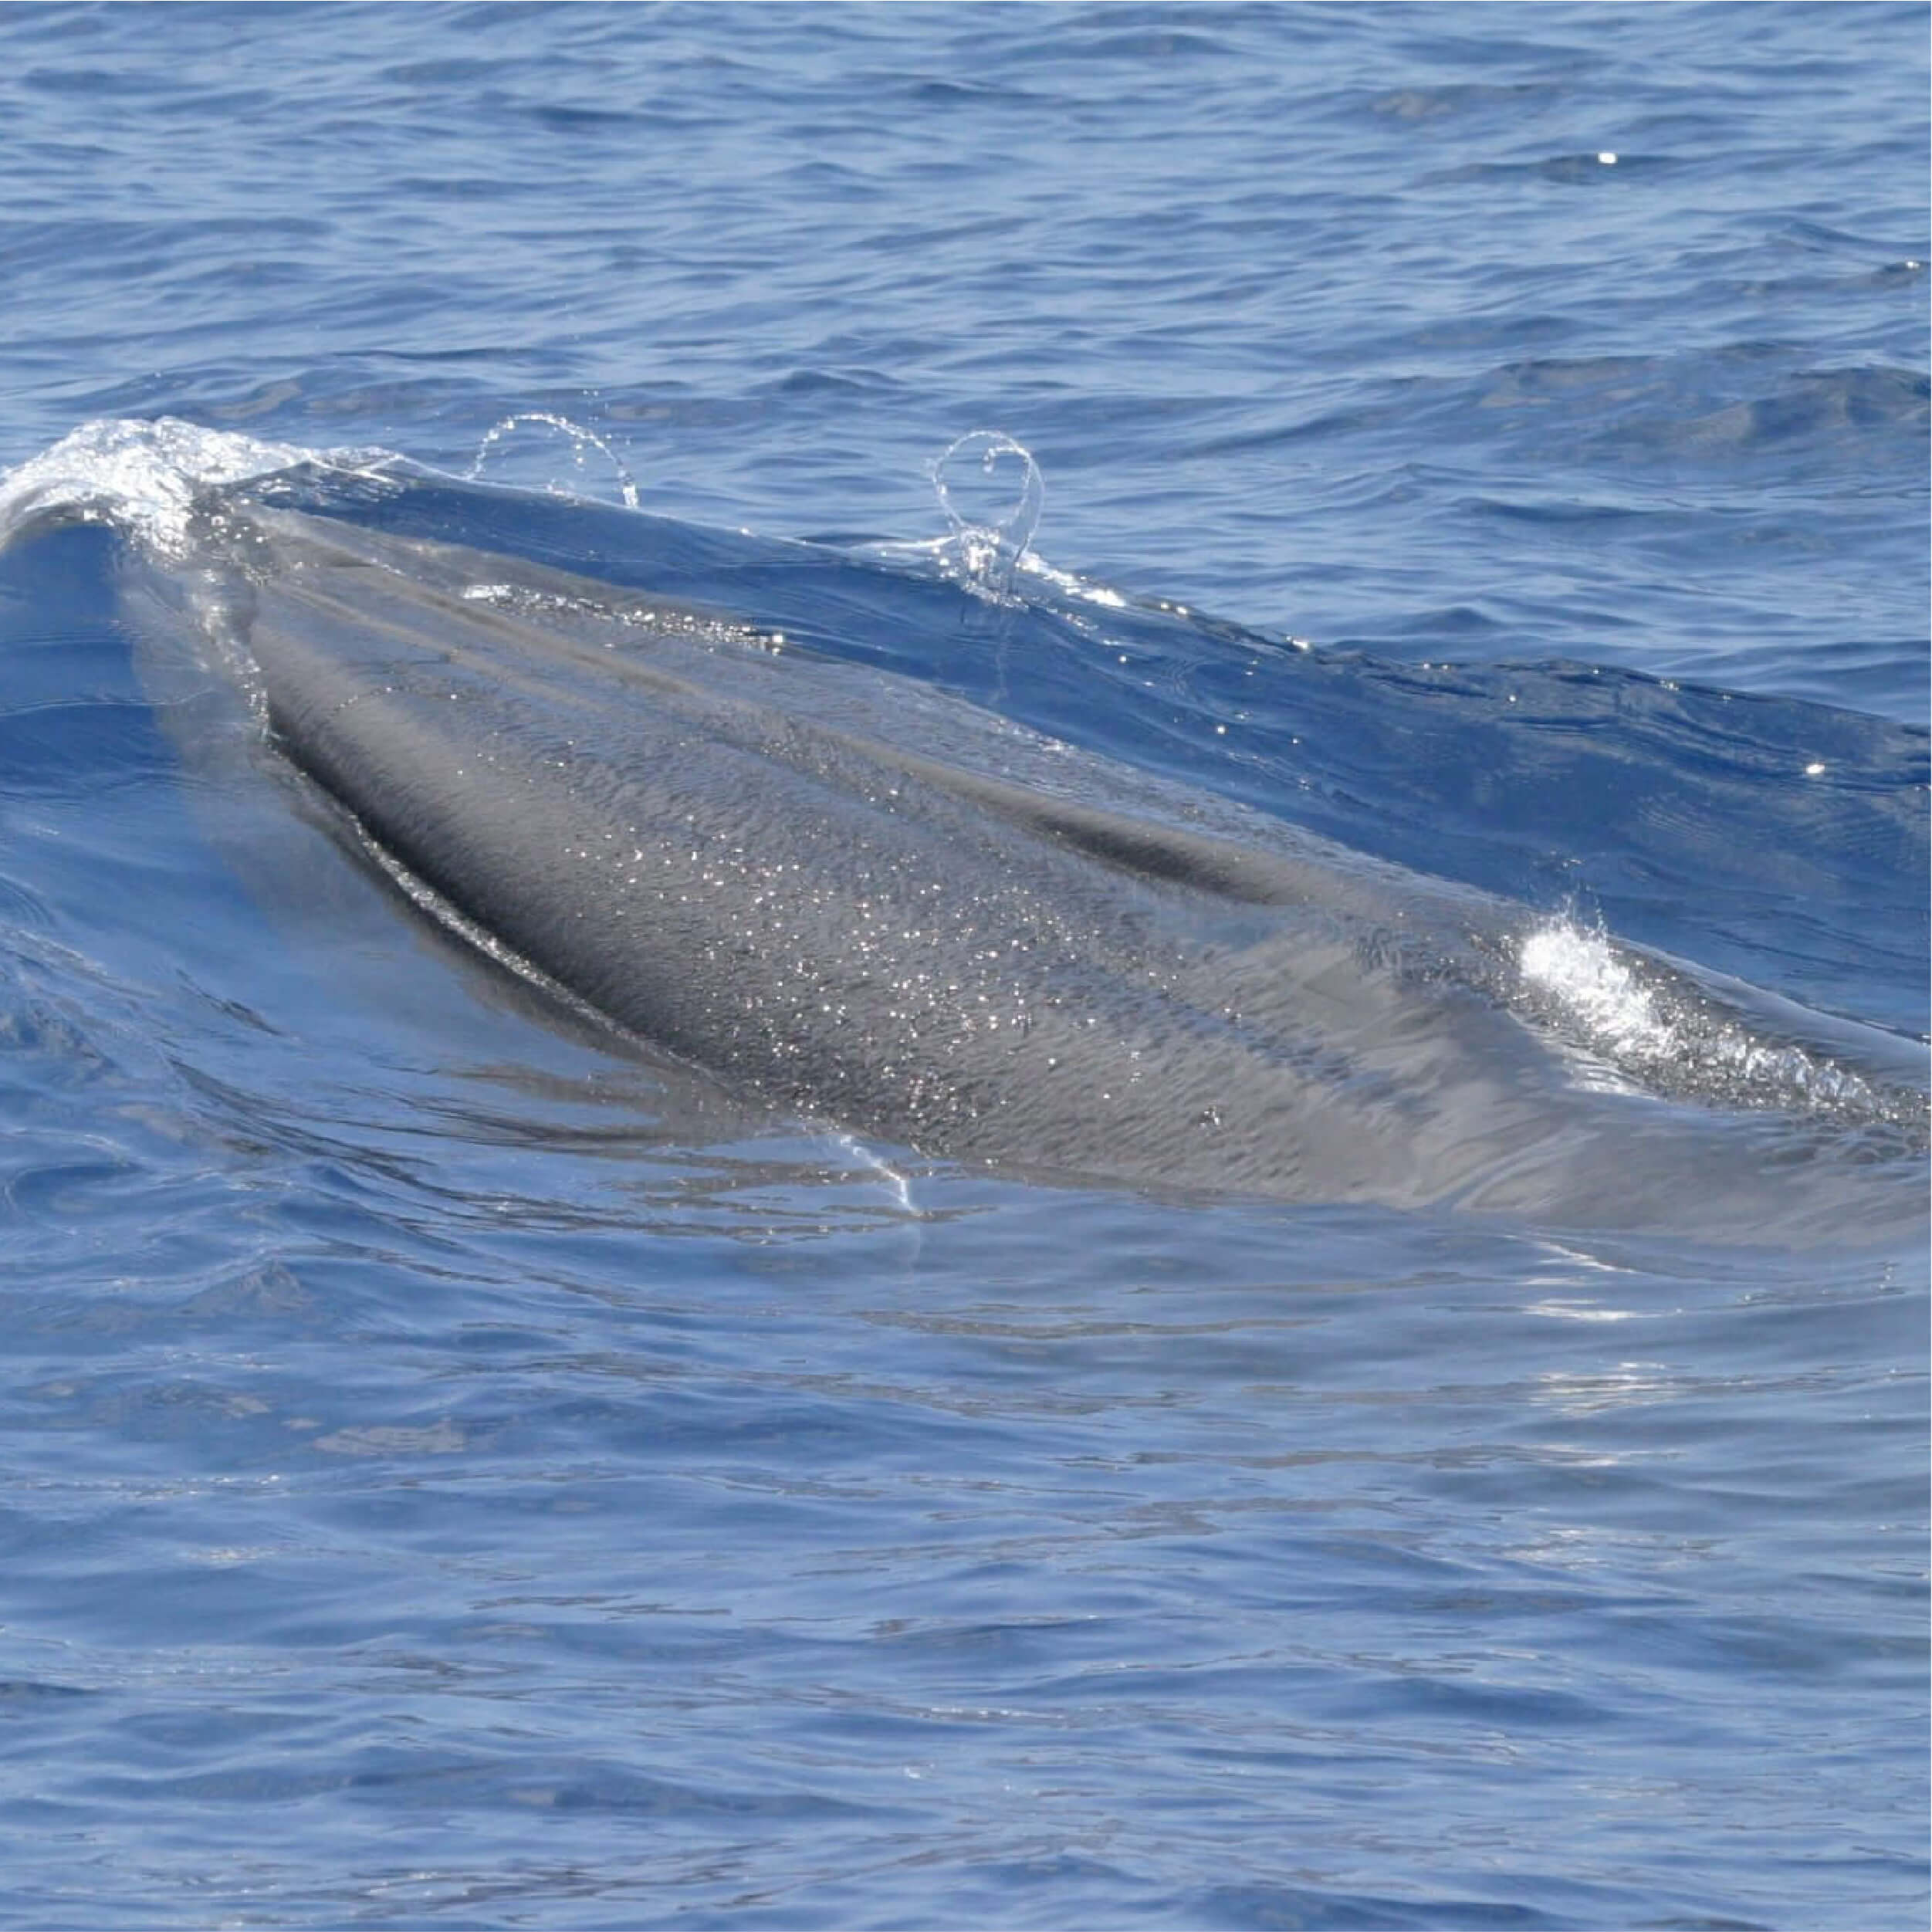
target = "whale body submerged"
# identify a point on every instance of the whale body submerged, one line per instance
(855, 898)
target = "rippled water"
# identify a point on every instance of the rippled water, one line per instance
(459, 1471)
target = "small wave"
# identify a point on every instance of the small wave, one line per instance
(1742, 397)
(1432, 102)
(1593, 167)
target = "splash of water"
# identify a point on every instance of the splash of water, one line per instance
(1580, 972)
(144, 478)
(1673, 1037)
(983, 551)
(582, 442)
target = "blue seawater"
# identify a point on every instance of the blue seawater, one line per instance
(456, 1472)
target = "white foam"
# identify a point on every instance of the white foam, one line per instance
(1680, 1039)
(1582, 973)
(144, 477)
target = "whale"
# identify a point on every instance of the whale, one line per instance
(850, 898)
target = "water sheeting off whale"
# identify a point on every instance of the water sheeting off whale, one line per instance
(854, 897)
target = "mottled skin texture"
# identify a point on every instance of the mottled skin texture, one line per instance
(854, 899)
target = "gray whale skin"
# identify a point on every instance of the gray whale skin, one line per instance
(852, 898)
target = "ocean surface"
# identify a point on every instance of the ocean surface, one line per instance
(458, 1469)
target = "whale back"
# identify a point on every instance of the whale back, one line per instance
(850, 896)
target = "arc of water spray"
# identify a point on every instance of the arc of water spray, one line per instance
(581, 438)
(986, 555)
